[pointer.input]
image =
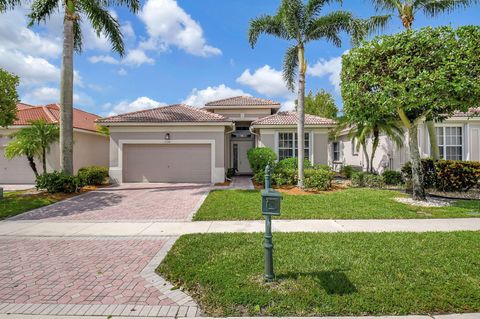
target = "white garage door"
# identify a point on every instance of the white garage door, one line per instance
(167, 163)
(15, 171)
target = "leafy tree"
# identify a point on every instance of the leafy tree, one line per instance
(301, 23)
(97, 12)
(33, 141)
(321, 104)
(406, 10)
(412, 76)
(8, 98)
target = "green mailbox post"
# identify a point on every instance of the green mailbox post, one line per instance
(270, 207)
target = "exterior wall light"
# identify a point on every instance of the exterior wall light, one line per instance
(167, 137)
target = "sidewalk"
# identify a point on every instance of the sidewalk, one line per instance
(125, 229)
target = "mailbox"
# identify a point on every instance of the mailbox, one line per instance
(271, 202)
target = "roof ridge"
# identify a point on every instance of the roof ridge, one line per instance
(136, 112)
(219, 116)
(49, 114)
(75, 108)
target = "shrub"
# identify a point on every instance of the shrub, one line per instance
(58, 182)
(321, 166)
(374, 181)
(358, 179)
(259, 178)
(285, 176)
(392, 177)
(429, 173)
(292, 163)
(230, 172)
(260, 157)
(346, 171)
(457, 176)
(93, 175)
(319, 179)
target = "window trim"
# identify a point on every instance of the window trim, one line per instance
(339, 152)
(443, 127)
(310, 143)
(354, 146)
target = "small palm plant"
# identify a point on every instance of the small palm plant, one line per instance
(33, 141)
(97, 12)
(301, 23)
(406, 10)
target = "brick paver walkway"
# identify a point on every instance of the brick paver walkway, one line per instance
(128, 202)
(101, 275)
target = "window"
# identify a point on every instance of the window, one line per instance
(287, 145)
(450, 142)
(336, 151)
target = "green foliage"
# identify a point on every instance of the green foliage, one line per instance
(364, 179)
(431, 72)
(319, 179)
(93, 175)
(285, 176)
(58, 182)
(457, 176)
(391, 177)
(320, 104)
(291, 163)
(231, 172)
(8, 97)
(348, 170)
(428, 169)
(260, 157)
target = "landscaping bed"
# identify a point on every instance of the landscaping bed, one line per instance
(17, 202)
(351, 203)
(329, 274)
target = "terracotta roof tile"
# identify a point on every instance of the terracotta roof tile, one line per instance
(473, 112)
(290, 118)
(167, 114)
(243, 101)
(51, 114)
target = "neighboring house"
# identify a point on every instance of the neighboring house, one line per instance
(89, 148)
(180, 143)
(458, 139)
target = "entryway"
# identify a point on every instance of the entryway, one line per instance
(239, 156)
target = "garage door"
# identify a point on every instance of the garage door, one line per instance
(166, 163)
(15, 171)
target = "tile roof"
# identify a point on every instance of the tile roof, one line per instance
(51, 114)
(290, 118)
(243, 101)
(473, 112)
(177, 113)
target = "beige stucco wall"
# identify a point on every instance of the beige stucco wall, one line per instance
(144, 135)
(88, 149)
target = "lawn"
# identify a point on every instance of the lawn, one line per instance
(18, 202)
(352, 203)
(329, 274)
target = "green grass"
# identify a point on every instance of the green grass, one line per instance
(352, 203)
(330, 274)
(18, 202)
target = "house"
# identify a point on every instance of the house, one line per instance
(90, 147)
(180, 143)
(458, 139)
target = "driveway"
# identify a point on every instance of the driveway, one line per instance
(126, 202)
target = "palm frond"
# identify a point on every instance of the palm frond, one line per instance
(329, 26)
(290, 67)
(314, 7)
(9, 4)
(103, 23)
(387, 5)
(77, 36)
(432, 8)
(41, 10)
(291, 13)
(271, 25)
(361, 28)
(132, 5)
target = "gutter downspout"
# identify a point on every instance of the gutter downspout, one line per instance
(256, 140)
(226, 133)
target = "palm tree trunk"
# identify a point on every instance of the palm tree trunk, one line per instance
(432, 133)
(66, 96)
(33, 166)
(417, 171)
(301, 114)
(44, 160)
(376, 140)
(367, 159)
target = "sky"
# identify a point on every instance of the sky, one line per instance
(184, 51)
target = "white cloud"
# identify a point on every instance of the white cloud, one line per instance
(48, 95)
(122, 72)
(330, 68)
(265, 80)
(288, 105)
(137, 57)
(127, 30)
(200, 97)
(103, 58)
(168, 24)
(125, 106)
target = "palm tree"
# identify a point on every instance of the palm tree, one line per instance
(301, 23)
(406, 10)
(74, 10)
(33, 141)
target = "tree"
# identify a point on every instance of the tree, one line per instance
(301, 23)
(8, 98)
(406, 10)
(97, 12)
(411, 76)
(33, 141)
(321, 104)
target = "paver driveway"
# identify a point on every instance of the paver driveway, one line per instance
(76, 276)
(126, 202)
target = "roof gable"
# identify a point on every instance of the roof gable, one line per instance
(177, 113)
(243, 100)
(291, 118)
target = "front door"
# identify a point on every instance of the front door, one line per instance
(239, 156)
